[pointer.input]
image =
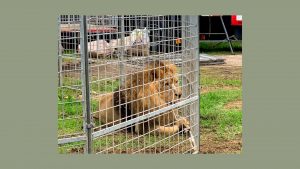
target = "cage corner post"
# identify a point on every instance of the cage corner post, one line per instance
(60, 53)
(195, 43)
(122, 52)
(87, 125)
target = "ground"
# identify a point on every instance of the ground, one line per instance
(221, 109)
(220, 106)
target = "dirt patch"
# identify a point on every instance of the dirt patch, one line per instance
(234, 105)
(98, 70)
(210, 143)
(111, 70)
(233, 60)
(221, 74)
(232, 69)
(221, 71)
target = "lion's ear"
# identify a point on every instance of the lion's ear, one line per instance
(156, 66)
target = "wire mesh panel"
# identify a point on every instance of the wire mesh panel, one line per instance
(128, 84)
(70, 112)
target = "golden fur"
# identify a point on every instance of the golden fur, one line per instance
(143, 92)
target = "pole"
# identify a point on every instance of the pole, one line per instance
(85, 84)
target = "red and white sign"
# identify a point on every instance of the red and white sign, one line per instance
(236, 20)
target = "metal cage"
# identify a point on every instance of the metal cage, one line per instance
(128, 84)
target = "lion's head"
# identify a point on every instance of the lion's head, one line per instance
(169, 89)
(164, 73)
(161, 69)
(153, 71)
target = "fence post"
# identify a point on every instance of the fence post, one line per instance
(195, 45)
(85, 84)
(183, 64)
(186, 89)
(59, 48)
(121, 53)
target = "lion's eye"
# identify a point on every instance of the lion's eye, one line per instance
(167, 84)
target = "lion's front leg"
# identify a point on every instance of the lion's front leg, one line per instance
(179, 125)
(180, 120)
(183, 124)
(150, 102)
(171, 123)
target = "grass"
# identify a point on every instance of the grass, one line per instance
(227, 123)
(70, 111)
(222, 53)
(210, 81)
(220, 47)
(121, 143)
(220, 77)
(70, 121)
(105, 86)
(70, 126)
(69, 51)
(221, 86)
(70, 115)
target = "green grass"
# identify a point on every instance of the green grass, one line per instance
(69, 104)
(210, 81)
(220, 77)
(222, 53)
(121, 142)
(227, 123)
(73, 107)
(69, 114)
(105, 86)
(70, 122)
(71, 147)
(70, 110)
(69, 51)
(230, 123)
(70, 126)
(221, 86)
(102, 86)
(130, 143)
(220, 46)
(70, 81)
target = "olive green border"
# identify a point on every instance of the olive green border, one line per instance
(270, 84)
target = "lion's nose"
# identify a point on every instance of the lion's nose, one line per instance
(178, 95)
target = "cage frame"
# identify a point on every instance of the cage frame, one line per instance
(88, 124)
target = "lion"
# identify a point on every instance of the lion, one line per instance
(143, 92)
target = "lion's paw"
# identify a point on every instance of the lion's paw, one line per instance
(184, 124)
